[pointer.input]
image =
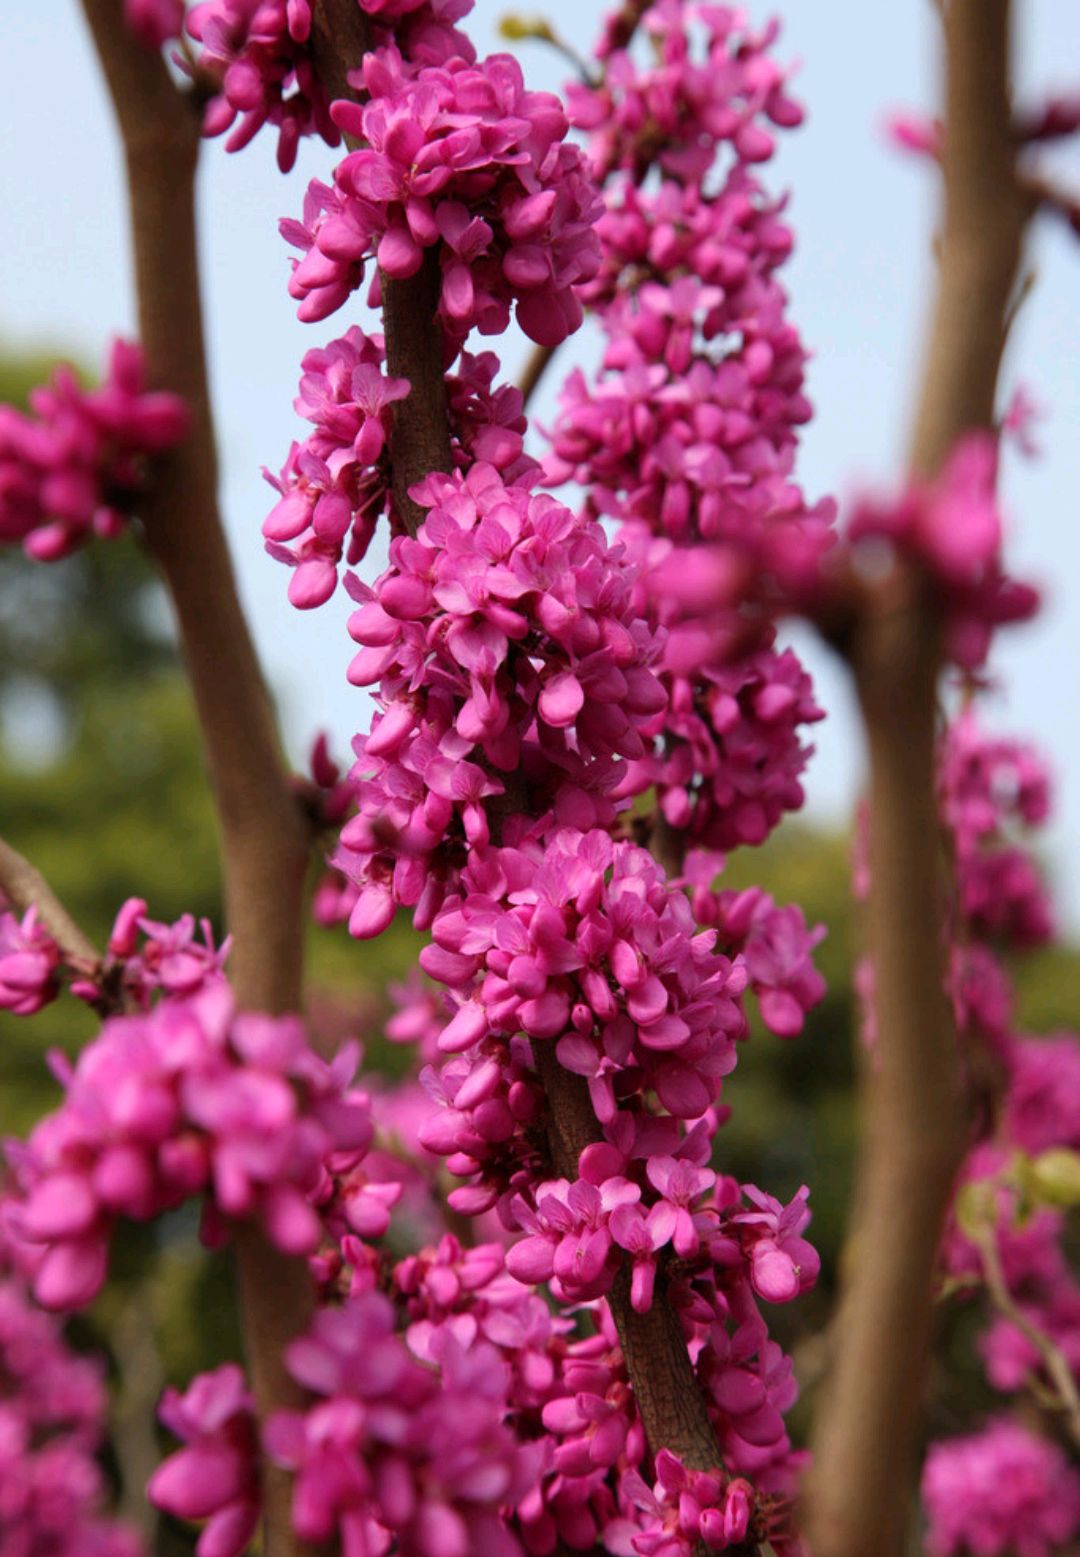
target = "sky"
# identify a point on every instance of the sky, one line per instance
(863, 216)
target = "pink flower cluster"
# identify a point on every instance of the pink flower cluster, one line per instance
(76, 464)
(459, 157)
(1002, 1492)
(187, 1100)
(215, 1477)
(688, 434)
(698, 452)
(506, 652)
(393, 1447)
(53, 1407)
(774, 943)
(679, 110)
(488, 1108)
(989, 788)
(689, 1509)
(583, 942)
(170, 961)
(469, 1291)
(257, 51)
(747, 1382)
(727, 758)
(952, 528)
(463, 1308)
(690, 428)
(1003, 1489)
(29, 963)
(335, 484)
(155, 22)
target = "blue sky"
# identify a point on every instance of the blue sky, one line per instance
(859, 282)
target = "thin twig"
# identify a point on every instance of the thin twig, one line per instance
(535, 369)
(263, 837)
(25, 887)
(866, 1433)
(1052, 1357)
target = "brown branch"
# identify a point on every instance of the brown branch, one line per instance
(667, 1393)
(264, 840)
(535, 368)
(1052, 1357)
(420, 439)
(25, 887)
(866, 1435)
(985, 214)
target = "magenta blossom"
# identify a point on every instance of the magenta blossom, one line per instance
(76, 464)
(782, 1264)
(215, 1477)
(461, 156)
(1000, 1491)
(29, 962)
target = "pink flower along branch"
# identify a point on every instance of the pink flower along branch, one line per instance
(27, 891)
(667, 1393)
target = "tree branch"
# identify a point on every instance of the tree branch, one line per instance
(535, 368)
(264, 841)
(866, 1435)
(1052, 1357)
(668, 1396)
(985, 214)
(25, 887)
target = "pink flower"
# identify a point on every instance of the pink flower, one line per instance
(188, 1099)
(77, 464)
(999, 1491)
(456, 154)
(29, 962)
(782, 1264)
(216, 1476)
(642, 1233)
(680, 1183)
(155, 22)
